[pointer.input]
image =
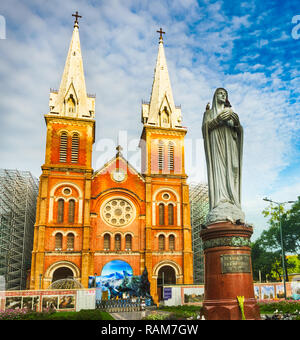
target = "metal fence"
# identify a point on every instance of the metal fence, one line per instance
(121, 305)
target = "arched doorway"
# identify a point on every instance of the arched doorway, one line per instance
(166, 276)
(62, 273)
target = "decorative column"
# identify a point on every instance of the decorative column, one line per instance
(228, 272)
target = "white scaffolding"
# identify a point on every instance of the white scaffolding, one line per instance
(18, 194)
(199, 204)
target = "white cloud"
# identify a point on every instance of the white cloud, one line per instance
(119, 46)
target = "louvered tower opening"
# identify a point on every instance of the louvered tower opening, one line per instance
(171, 156)
(63, 147)
(160, 155)
(75, 148)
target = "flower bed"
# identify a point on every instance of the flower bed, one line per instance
(13, 314)
(24, 314)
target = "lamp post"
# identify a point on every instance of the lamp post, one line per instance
(95, 285)
(281, 240)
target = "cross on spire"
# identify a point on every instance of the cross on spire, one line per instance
(161, 33)
(76, 15)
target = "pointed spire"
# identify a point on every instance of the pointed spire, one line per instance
(71, 99)
(161, 110)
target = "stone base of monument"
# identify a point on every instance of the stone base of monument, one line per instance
(228, 272)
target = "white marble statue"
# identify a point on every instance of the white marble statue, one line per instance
(223, 143)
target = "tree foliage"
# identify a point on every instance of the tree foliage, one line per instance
(267, 251)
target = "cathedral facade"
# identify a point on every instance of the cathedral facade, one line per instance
(85, 218)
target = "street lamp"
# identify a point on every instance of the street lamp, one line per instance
(281, 240)
(95, 281)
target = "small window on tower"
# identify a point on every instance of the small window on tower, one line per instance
(70, 241)
(60, 210)
(161, 214)
(75, 148)
(161, 243)
(71, 104)
(58, 241)
(170, 214)
(165, 116)
(71, 216)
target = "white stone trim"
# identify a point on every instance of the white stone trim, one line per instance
(174, 265)
(64, 233)
(51, 269)
(165, 189)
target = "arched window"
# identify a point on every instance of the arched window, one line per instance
(170, 214)
(107, 242)
(161, 214)
(161, 243)
(75, 148)
(128, 242)
(118, 242)
(171, 242)
(58, 241)
(70, 241)
(161, 152)
(71, 214)
(165, 117)
(171, 156)
(60, 210)
(71, 104)
(63, 147)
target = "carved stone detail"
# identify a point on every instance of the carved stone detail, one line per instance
(235, 241)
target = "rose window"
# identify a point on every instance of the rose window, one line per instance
(118, 212)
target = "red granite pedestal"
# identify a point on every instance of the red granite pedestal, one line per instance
(228, 272)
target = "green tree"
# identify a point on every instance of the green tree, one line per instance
(291, 228)
(266, 251)
(262, 262)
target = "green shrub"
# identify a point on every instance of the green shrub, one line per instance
(280, 306)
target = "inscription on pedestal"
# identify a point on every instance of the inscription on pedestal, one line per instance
(237, 263)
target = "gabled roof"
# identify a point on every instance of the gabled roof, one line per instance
(119, 156)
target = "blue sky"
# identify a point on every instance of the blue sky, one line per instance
(245, 46)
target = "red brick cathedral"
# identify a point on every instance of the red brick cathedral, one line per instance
(86, 218)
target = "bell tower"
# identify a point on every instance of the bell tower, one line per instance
(62, 229)
(168, 228)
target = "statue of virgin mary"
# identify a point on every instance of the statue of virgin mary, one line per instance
(223, 144)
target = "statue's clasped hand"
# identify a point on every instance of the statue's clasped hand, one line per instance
(227, 114)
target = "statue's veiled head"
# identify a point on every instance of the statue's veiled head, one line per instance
(220, 97)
